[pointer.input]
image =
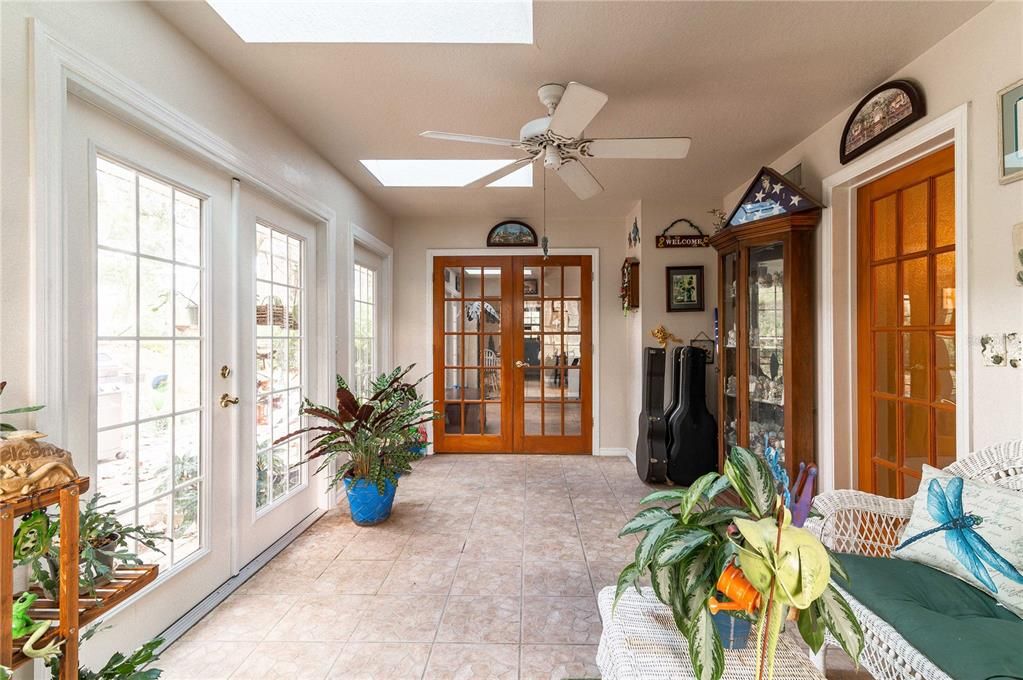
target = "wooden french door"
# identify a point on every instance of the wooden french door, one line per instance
(513, 354)
(906, 325)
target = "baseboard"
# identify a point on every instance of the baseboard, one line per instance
(616, 451)
(210, 602)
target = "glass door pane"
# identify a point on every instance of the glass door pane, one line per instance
(766, 326)
(728, 343)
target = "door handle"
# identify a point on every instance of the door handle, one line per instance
(226, 400)
(520, 364)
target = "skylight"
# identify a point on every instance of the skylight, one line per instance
(379, 21)
(445, 173)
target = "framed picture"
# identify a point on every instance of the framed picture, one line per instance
(1010, 133)
(511, 233)
(885, 111)
(530, 287)
(685, 289)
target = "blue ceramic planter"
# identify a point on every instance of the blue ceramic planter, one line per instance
(366, 503)
(734, 632)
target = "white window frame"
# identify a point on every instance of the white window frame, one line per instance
(371, 282)
(383, 298)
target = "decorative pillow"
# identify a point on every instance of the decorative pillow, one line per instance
(970, 529)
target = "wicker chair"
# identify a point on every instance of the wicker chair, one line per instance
(863, 524)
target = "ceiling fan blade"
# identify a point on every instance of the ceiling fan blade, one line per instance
(475, 139)
(499, 173)
(578, 106)
(579, 180)
(650, 147)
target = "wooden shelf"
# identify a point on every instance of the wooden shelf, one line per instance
(125, 582)
(42, 499)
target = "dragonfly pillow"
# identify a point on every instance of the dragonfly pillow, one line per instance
(970, 529)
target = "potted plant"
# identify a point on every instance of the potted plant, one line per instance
(135, 666)
(371, 441)
(766, 567)
(103, 541)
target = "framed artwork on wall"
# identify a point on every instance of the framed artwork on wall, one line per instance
(885, 111)
(1010, 133)
(684, 288)
(511, 233)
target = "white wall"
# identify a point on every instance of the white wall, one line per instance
(413, 331)
(968, 66)
(136, 43)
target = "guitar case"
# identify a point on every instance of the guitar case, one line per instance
(692, 428)
(669, 411)
(651, 452)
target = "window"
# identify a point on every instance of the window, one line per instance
(150, 417)
(280, 371)
(364, 334)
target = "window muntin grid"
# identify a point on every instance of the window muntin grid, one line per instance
(280, 365)
(150, 344)
(364, 331)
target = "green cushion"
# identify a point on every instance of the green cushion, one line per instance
(960, 629)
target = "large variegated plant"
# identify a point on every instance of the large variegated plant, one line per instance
(374, 438)
(689, 537)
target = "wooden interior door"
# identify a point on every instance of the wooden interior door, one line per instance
(906, 325)
(512, 354)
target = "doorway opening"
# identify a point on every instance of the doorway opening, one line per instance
(513, 354)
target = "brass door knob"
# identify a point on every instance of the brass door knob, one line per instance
(520, 364)
(226, 400)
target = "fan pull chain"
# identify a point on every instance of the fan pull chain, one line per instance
(544, 242)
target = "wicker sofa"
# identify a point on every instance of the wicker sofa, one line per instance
(859, 523)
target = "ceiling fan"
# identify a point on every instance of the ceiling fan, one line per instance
(558, 138)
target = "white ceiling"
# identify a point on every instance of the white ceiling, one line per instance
(745, 80)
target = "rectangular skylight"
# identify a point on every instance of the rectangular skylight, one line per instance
(445, 173)
(379, 21)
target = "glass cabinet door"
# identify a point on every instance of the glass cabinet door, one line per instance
(766, 334)
(729, 347)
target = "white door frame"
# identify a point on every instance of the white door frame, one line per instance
(58, 70)
(837, 246)
(385, 293)
(594, 255)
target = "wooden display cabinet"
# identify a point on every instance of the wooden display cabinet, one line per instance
(766, 391)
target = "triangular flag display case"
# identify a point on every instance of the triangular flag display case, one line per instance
(770, 195)
(766, 394)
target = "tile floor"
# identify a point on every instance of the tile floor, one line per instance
(488, 568)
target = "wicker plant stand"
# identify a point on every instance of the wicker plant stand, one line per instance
(640, 642)
(74, 610)
(864, 524)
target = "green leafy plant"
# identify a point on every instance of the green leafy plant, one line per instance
(687, 545)
(103, 541)
(135, 666)
(7, 427)
(374, 438)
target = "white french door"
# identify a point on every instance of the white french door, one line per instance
(366, 317)
(278, 275)
(150, 305)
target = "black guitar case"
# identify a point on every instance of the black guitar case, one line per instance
(673, 404)
(651, 452)
(693, 429)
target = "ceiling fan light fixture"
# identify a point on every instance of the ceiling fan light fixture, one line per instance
(552, 158)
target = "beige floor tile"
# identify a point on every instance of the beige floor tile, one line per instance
(560, 620)
(604, 573)
(315, 618)
(493, 546)
(194, 659)
(558, 662)
(553, 546)
(375, 544)
(429, 545)
(400, 618)
(473, 662)
(487, 578)
(557, 577)
(354, 577)
(274, 660)
(419, 576)
(472, 618)
(277, 579)
(609, 549)
(380, 661)
(243, 617)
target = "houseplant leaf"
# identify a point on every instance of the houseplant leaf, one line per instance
(645, 549)
(840, 620)
(673, 495)
(628, 577)
(679, 543)
(719, 514)
(811, 628)
(695, 493)
(661, 580)
(752, 480)
(644, 520)
(705, 648)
